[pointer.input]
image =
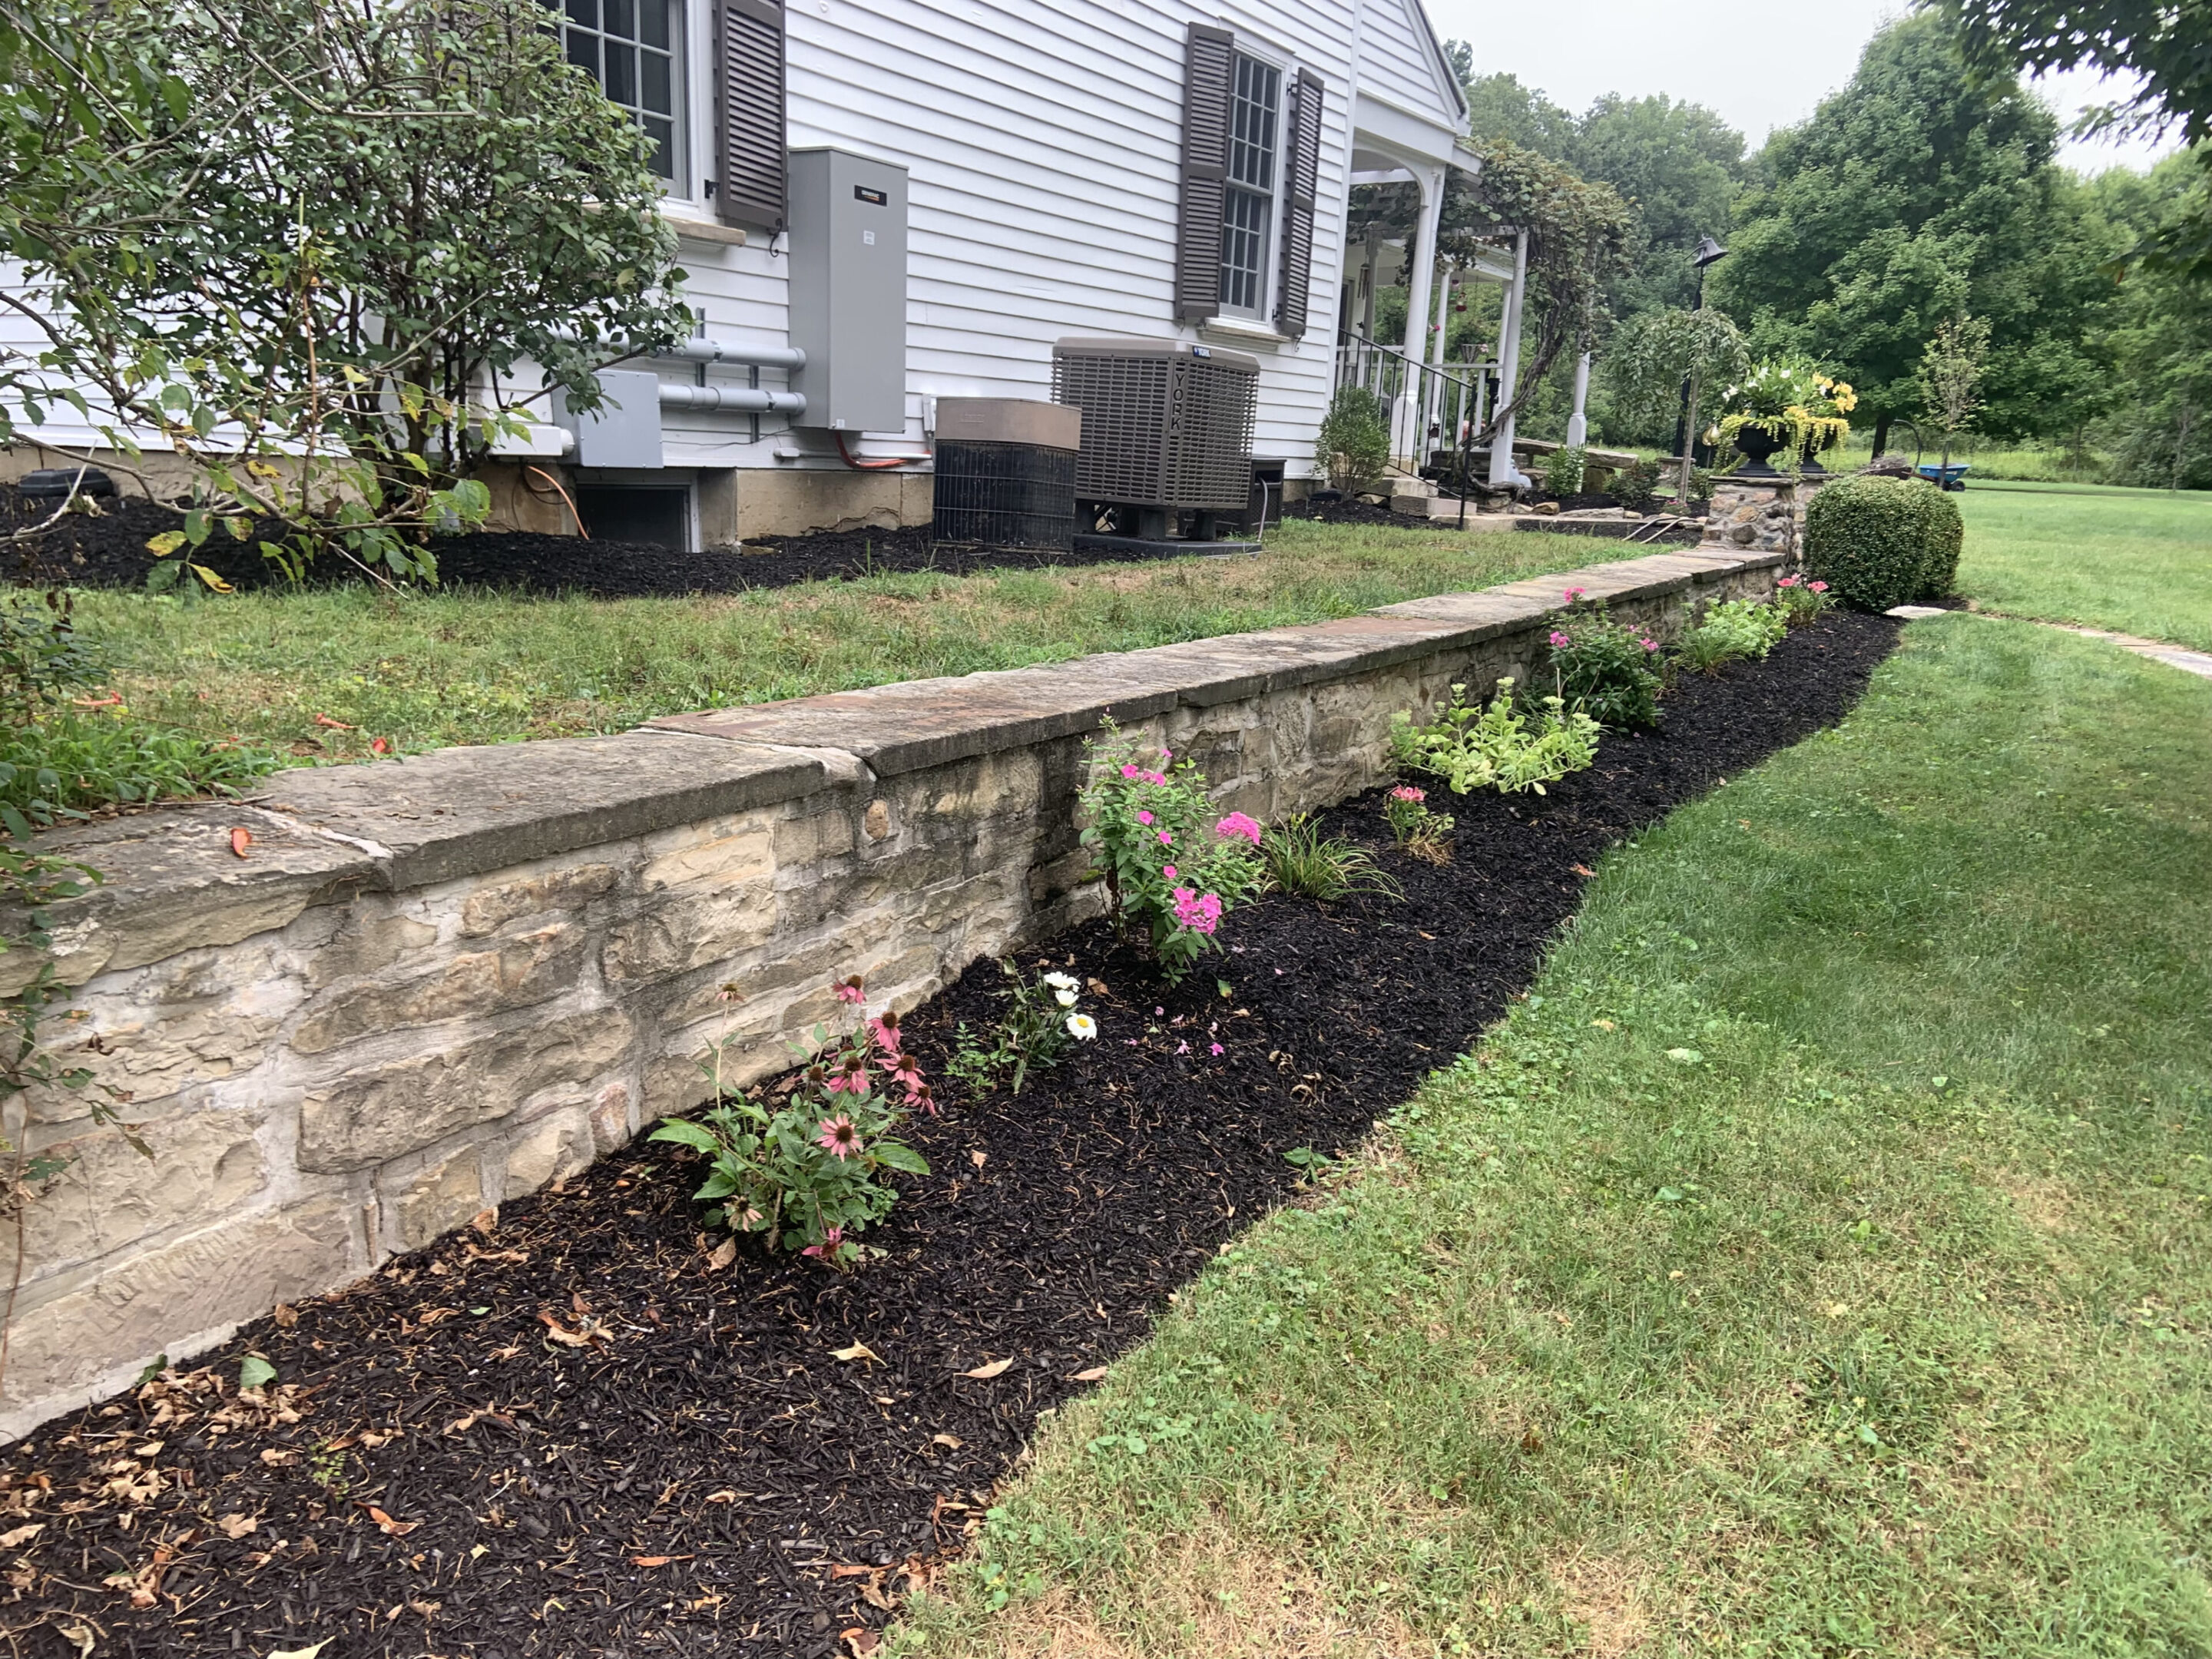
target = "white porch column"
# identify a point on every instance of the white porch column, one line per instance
(1408, 425)
(1578, 422)
(1502, 473)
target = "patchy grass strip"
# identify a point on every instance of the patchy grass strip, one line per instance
(322, 675)
(1816, 1263)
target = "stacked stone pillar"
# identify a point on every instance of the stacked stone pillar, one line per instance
(1750, 513)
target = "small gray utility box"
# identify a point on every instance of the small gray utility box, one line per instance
(849, 289)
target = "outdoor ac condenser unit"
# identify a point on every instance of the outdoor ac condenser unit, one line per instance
(1167, 426)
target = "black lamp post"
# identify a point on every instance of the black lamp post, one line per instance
(1709, 252)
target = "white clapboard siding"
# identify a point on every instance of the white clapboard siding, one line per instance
(1043, 144)
(1403, 64)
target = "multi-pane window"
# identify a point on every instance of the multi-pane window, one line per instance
(1248, 208)
(630, 47)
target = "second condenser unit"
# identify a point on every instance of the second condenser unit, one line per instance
(1167, 428)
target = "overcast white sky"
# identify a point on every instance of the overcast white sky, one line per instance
(1761, 66)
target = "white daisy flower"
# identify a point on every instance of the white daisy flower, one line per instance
(1082, 1027)
(1064, 997)
(1060, 981)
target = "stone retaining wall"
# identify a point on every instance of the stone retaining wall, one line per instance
(435, 984)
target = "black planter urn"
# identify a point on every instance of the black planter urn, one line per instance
(1755, 444)
(1810, 463)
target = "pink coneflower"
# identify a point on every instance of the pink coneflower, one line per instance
(906, 1074)
(1238, 824)
(1143, 817)
(848, 990)
(1559, 642)
(1406, 792)
(923, 1098)
(851, 1076)
(830, 1241)
(837, 1137)
(884, 1030)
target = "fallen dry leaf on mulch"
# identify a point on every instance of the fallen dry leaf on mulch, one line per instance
(984, 1373)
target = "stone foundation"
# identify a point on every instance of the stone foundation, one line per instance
(435, 984)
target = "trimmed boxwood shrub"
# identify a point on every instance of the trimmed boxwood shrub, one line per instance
(1879, 541)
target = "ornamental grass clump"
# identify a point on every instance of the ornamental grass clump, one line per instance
(1306, 864)
(808, 1174)
(1173, 866)
(1606, 669)
(1500, 747)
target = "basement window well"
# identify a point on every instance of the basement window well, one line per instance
(657, 515)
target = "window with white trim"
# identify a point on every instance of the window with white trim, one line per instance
(1248, 206)
(634, 49)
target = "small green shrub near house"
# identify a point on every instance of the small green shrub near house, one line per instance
(1353, 446)
(1881, 542)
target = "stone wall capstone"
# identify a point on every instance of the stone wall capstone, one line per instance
(435, 984)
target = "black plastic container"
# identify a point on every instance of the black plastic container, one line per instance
(1004, 494)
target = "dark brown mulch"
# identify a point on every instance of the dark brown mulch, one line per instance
(110, 552)
(569, 1435)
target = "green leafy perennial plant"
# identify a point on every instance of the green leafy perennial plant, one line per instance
(1500, 747)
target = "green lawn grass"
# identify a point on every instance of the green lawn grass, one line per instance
(437, 668)
(1817, 1263)
(2139, 561)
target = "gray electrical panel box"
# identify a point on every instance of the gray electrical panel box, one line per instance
(847, 257)
(624, 430)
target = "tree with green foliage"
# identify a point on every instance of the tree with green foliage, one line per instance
(1499, 107)
(1908, 197)
(1652, 355)
(344, 231)
(2161, 432)
(1951, 366)
(1679, 166)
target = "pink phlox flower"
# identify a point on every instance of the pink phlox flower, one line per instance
(1155, 777)
(1158, 1011)
(1406, 792)
(1789, 581)
(830, 1241)
(1217, 1048)
(1649, 644)
(1168, 871)
(1559, 642)
(1200, 913)
(1818, 587)
(848, 990)
(1143, 817)
(1574, 594)
(1183, 1048)
(1166, 840)
(1131, 772)
(837, 1137)
(1236, 823)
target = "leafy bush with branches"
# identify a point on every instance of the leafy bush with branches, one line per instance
(1467, 747)
(1652, 355)
(1879, 542)
(1353, 447)
(340, 232)
(1563, 468)
(1733, 630)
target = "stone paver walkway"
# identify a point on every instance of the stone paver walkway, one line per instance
(2174, 656)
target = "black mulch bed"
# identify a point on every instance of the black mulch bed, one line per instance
(568, 1435)
(110, 552)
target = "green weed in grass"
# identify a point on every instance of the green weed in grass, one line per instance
(1817, 1263)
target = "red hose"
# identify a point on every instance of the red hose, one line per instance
(862, 466)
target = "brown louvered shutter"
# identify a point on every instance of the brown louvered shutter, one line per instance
(1208, 68)
(752, 160)
(1300, 180)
